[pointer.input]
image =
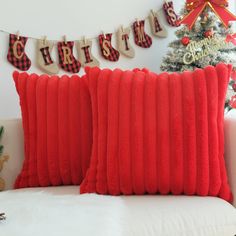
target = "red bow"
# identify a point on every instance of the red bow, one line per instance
(231, 38)
(196, 7)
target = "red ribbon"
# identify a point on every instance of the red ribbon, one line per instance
(231, 38)
(196, 7)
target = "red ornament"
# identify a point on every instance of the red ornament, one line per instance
(208, 33)
(232, 102)
(185, 41)
(234, 87)
(231, 38)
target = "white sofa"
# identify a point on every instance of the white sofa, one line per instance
(61, 211)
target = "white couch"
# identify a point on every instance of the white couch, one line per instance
(62, 211)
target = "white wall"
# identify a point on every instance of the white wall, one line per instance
(75, 18)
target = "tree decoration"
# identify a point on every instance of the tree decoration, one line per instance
(196, 7)
(107, 50)
(16, 52)
(67, 60)
(208, 33)
(232, 102)
(185, 40)
(43, 54)
(140, 37)
(234, 86)
(233, 75)
(231, 38)
(171, 16)
(85, 55)
(123, 42)
(200, 49)
(157, 27)
(204, 18)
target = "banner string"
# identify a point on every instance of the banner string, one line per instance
(54, 41)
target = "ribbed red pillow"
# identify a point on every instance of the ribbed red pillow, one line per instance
(57, 122)
(158, 133)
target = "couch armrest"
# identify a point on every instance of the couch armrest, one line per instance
(13, 142)
(230, 149)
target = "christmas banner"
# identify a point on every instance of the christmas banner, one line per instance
(68, 61)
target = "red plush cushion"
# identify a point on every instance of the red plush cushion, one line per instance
(158, 133)
(57, 122)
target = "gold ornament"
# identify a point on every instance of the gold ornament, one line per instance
(200, 49)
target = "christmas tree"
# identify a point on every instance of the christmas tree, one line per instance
(207, 25)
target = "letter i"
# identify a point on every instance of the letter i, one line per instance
(85, 55)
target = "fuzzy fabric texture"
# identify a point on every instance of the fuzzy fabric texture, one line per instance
(158, 133)
(57, 122)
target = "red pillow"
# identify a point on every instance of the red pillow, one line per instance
(158, 133)
(57, 122)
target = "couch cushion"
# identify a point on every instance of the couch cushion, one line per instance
(56, 115)
(158, 133)
(59, 211)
